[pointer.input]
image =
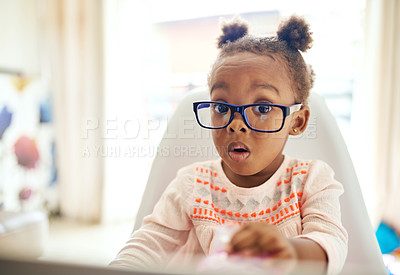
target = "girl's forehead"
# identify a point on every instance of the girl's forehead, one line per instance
(247, 72)
(246, 59)
(267, 65)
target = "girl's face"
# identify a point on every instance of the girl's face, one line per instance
(250, 157)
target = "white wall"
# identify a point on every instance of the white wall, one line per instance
(19, 36)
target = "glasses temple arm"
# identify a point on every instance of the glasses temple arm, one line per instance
(295, 108)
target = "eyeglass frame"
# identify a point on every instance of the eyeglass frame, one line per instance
(286, 110)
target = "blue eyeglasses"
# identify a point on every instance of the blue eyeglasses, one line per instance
(260, 117)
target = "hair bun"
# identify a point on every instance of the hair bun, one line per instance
(232, 31)
(296, 33)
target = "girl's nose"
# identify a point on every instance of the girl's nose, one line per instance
(237, 124)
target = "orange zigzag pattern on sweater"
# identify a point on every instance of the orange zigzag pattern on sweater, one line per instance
(199, 212)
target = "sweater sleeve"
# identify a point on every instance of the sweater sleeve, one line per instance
(162, 232)
(321, 215)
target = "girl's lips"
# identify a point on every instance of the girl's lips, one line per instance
(238, 151)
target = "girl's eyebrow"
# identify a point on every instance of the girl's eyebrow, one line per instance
(218, 85)
(265, 86)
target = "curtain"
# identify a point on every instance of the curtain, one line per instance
(383, 71)
(72, 35)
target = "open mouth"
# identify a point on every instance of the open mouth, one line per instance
(238, 151)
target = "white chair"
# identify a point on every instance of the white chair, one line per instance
(185, 142)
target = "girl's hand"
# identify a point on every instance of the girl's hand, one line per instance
(261, 239)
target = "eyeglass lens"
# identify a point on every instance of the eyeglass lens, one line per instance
(260, 117)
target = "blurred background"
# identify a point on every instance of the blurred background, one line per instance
(87, 86)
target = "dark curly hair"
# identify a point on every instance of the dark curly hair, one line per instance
(292, 37)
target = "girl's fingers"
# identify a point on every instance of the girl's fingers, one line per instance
(259, 239)
(242, 240)
(277, 247)
(269, 244)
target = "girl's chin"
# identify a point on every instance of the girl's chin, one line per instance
(240, 169)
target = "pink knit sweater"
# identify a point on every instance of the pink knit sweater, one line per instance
(301, 199)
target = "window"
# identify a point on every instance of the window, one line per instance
(156, 51)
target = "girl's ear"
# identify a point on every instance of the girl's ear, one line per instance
(300, 121)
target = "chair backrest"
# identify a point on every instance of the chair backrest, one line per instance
(185, 142)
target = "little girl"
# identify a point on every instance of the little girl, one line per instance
(284, 207)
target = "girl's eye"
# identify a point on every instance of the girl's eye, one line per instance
(262, 109)
(221, 108)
